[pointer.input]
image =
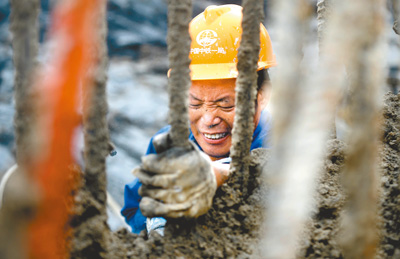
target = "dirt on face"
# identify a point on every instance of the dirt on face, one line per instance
(231, 228)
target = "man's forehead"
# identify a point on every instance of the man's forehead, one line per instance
(214, 82)
(212, 98)
(213, 90)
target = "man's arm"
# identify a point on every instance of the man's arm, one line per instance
(131, 211)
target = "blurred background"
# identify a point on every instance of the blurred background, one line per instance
(137, 81)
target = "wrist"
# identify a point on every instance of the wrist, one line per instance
(221, 172)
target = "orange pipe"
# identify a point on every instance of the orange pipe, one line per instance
(58, 89)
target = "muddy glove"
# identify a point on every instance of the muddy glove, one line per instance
(177, 182)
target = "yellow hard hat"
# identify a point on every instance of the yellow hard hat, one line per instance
(216, 35)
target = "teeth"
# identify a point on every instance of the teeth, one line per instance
(215, 136)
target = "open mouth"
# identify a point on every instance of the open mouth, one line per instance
(215, 136)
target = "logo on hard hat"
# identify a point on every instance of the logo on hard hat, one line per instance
(206, 38)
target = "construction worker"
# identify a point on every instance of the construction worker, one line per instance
(181, 182)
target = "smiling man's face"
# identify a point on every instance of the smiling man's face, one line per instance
(211, 115)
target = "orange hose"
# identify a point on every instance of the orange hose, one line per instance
(54, 168)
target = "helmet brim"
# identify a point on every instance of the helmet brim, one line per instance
(221, 71)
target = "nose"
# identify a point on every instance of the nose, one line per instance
(210, 118)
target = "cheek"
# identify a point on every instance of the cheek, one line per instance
(194, 116)
(230, 117)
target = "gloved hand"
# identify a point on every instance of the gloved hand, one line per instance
(177, 182)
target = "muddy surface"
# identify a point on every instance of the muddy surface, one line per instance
(231, 228)
(320, 241)
(390, 162)
(324, 229)
(228, 230)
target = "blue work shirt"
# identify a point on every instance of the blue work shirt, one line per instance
(131, 212)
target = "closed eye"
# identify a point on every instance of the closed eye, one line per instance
(194, 106)
(227, 108)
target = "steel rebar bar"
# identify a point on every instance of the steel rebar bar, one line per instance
(302, 113)
(364, 63)
(96, 137)
(178, 39)
(246, 85)
(19, 193)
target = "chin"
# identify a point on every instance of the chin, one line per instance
(217, 155)
(211, 151)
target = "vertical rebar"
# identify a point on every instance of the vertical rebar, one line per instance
(302, 111)
(20, 199)
(93, 195)
(355, 45)
(365, 67)
(178, 39)
(396, 12)
(95, 109)
(246, 85)
(25, 29)
(324, 10)
(324, 13)
(57, 88)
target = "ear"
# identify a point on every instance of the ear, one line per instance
(263, 95)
